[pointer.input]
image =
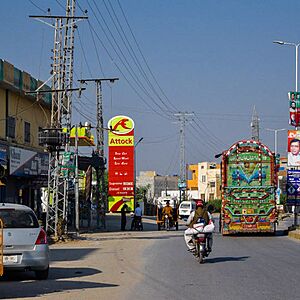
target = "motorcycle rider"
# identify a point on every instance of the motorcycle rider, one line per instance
(137, 217)
(196, 218)
(168, 210)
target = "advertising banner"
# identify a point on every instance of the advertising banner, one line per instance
(293, 187)
(293, 148)
(294, 98)
(121, 163)
(25, 163)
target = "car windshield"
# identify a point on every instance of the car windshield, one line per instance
(185, 205)
(18, 218)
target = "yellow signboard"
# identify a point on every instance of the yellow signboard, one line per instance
(1, 248)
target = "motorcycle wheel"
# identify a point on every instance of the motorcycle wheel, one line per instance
(200, 257)
(167, 224)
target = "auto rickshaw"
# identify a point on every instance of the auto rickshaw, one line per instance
(163, 222)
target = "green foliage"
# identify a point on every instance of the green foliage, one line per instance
(217, 204)
(141, 193)
(283, 199)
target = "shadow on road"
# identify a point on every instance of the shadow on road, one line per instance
(24, 285)
(225, 259)
(70, 254)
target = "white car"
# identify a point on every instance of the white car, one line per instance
(25, 246)
(185, 209)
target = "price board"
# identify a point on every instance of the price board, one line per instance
(1, 247)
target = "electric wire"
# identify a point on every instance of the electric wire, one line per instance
(125, 64)
(140, 51)
(126, 79)
(131, 51)
(44, 11)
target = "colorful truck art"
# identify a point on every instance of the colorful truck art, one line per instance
(248, 188)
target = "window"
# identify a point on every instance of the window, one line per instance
(203, 197)
(210, 197)
(26, 132)
(203, 178)
(18, 218)
(212, 184)
(11, 127)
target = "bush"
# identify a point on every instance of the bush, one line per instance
(217, 204)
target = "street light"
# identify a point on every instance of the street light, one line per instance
(134, 184)
(275, 136)
(275, 142)
(296, 46)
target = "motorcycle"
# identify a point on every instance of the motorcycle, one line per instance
(137, 224)
(200, 241)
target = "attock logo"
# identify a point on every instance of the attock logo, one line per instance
(120, 125)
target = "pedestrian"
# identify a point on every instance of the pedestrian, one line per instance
(123, 217)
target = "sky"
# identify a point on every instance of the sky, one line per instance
(214, 60)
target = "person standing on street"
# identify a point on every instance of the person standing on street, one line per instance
(137, 217)
(123, 217)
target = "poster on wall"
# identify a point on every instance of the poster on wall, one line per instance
(121, 163)
(293, 148)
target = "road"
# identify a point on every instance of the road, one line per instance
(156, 265)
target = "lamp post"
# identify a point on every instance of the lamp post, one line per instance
(296, 47)
(297, 52)
(275, 136)
(134, 185)
(275, 145)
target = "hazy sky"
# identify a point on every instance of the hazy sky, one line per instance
(213, 58)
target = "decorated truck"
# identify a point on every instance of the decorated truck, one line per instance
(248, 188)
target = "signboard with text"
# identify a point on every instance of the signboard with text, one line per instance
(27, 163)
(121, 163)
(293, 187)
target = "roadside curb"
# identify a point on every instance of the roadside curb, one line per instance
(295, 234)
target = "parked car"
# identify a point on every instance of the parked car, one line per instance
(185, 208)
(25, 246)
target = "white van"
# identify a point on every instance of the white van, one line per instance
(185, 208)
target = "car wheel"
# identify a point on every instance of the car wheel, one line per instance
(42, 275)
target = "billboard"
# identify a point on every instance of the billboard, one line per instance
(293, 187)
(27, 163)
(121, 163)
(294, 98)
(293, 148)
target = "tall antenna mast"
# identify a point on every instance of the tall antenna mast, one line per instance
(255, 125)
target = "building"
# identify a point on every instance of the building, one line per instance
(206, 178)
(156, 183)
(22, 116)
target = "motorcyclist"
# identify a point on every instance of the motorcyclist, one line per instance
(195, 225)
(168, 210)
(137, 218)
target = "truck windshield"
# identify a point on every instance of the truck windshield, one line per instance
(18, 218)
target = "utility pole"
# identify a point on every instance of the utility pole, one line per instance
(255, 126)
(56, 138)
(100, 195)
(182, 118)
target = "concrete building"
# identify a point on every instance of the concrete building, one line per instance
(156, 183)
(22, 116)
(206, 178)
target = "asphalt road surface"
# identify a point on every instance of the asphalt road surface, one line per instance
(155, 265)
